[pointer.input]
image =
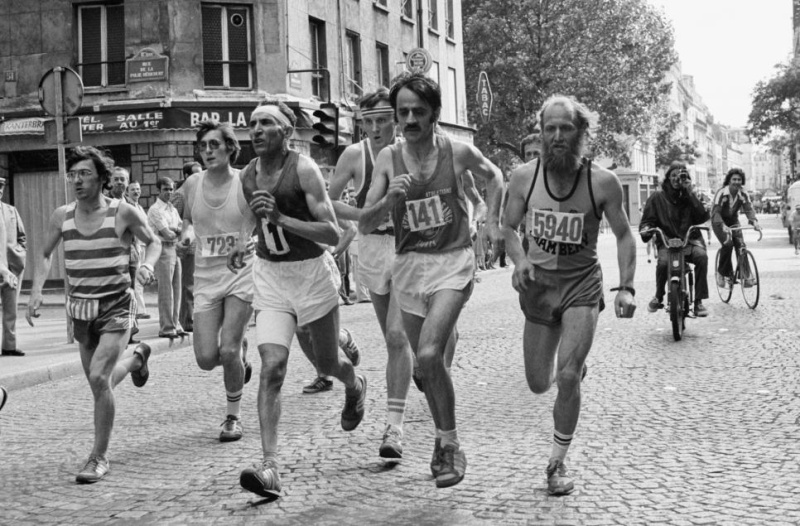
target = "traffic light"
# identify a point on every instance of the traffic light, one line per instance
(327, 126)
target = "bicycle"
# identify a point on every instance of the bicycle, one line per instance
(746, 274)
(680, 296)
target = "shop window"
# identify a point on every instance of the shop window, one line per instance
(101, 45)
(227, 46)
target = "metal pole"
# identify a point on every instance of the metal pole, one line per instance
(62, 170)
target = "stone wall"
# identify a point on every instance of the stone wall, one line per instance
(149, 161)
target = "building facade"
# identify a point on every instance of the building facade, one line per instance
(152, 69)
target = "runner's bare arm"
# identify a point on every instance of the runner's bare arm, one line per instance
(344, 173)
(474, 196)
(513, 216)
(468, 157)
(43, 260)
(138, 225)
(383, 194)
(610, 194)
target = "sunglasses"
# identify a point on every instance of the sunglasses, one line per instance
(213, 144)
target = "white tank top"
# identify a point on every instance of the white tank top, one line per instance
(217, 227)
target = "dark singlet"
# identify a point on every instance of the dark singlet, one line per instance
(275, 243)
(562, 230)
(433, 216)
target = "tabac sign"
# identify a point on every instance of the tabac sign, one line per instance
(484, 96)
(146, 66)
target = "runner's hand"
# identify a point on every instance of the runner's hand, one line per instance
(34, 302)
(144, 275)
(236, 258)
(523, 273)
(264, 206)
(493, 235)
(398, 187)
(624, 304)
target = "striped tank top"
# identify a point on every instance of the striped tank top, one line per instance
(96, 264)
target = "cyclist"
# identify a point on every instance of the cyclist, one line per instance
(728, 202)
(674, 209)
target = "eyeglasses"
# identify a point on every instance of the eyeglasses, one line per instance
(83, 174)
(213, 144)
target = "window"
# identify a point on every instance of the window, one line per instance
(319, 57)
(382, 63)
(227, 57)
(353, 65)
(407, 8)
(449, 20)
(433, 14)
(434, 72)
(101, 44)
(452, 100)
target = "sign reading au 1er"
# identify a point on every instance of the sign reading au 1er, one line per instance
(484, 97)
(147, 65)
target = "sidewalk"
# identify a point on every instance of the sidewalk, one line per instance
(48, 356)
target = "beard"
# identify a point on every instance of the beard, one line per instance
(563, 161)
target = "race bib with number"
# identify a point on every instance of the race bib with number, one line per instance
(560, 227)
(218, 245)
(424, 214)
(273, 236)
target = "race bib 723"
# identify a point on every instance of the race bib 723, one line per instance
(218, 244)
(561, 227)
(424, 214)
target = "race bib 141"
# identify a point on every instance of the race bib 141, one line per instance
(424, 214)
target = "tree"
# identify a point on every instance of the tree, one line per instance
(670, 145)
(611, 55)
(776, 111)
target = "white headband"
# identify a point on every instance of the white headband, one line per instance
(379, 110)
(275, 112)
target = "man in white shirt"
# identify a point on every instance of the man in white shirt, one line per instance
(166, 223)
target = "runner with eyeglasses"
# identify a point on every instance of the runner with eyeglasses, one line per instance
(214, 211)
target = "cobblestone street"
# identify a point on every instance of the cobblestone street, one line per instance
(702, 431)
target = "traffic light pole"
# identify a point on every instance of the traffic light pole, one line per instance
(327, 75)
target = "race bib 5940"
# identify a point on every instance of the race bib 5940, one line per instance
(218, 244)
(561, 227)
(425, 213)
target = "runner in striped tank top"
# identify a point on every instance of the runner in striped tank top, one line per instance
(559, 280)
(97, 234)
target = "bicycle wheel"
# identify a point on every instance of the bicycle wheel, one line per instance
(676, 310)
(724, 292)
(751, 286)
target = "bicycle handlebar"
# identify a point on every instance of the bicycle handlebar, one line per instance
(748, 227)
(663, 236)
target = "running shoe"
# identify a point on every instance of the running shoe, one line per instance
(452, 466)
(654, 305)
(248, 367)
(350, 349)
(140, 376)
(435, 462)
(94, 470)
(558, 482)
(353, 411)
(262, 479)
(231, 429)
(392, 445)
(319, 385)
(3, 396)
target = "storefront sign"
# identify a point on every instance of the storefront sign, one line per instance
(32, 126)
(146, 66)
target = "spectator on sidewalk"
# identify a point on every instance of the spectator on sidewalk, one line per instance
(16, 251)
(165, 221)
(186, 255)
(132, 194)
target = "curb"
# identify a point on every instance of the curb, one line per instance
(51, 373)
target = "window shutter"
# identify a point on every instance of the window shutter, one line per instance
(238, 50)
(212, 46)
(91, 46)
(115, 26)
